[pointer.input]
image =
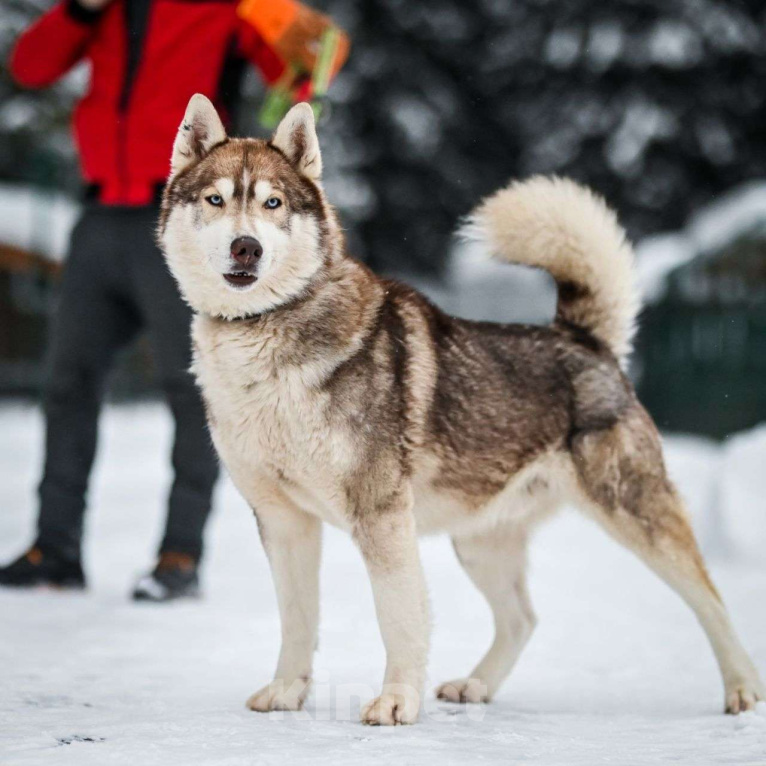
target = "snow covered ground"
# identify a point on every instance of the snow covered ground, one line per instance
(617, 672)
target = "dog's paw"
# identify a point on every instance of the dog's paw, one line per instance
(279, 695)
(744, 696)
(391, 709)
(463, 690)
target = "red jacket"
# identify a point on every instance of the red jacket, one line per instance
(148, 57)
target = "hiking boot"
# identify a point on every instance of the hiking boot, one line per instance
(43, 567)
(175, 576)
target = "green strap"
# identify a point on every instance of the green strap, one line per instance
(328, 47)
(279, 98)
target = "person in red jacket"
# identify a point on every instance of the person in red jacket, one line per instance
(147, 59)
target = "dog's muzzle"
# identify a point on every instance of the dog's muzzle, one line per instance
(246, 253)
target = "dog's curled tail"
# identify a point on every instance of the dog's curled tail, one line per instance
(562, 227)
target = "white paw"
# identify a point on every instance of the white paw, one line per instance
(463, 690)
(744, 696)
(392, 708)
(280, 695)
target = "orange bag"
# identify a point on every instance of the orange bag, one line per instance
(293, 31)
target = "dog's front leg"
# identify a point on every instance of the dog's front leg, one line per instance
(388, 541)
(292, 540)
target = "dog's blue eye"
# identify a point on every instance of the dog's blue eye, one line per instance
(273, 202)
(215, 199)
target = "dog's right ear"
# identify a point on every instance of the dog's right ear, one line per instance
(296, 138)
(200, 130)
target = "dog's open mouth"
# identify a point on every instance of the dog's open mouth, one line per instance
(240, 278)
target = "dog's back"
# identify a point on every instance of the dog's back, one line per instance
(490, 398)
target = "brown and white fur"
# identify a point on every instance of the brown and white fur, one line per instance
(336, 396)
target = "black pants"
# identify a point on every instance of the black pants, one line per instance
(116, 283)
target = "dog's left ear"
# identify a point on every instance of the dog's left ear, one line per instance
(296, 138)
(200, 130)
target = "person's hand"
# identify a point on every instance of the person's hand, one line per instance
(93, 5)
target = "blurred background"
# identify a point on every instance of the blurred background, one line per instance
(660, 105)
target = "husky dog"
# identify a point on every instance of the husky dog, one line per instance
(336, 396)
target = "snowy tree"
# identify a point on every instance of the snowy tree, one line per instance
(35, 140)
(657, 103)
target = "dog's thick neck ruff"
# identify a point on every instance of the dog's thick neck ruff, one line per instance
(288, 305)
(244, 318)
(328, 321)
(249, 317)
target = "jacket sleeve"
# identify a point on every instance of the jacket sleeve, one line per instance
(53, 44)
(253, 48)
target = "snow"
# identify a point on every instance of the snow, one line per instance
(642, 123)
(674, 44)
(738, 213)
(617, 672)
(605, 43)
(417, 124)
(742, 489)
(656, 257)
(481, 287)
(36, 220)
(563, 47)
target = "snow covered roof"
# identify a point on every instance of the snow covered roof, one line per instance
(36, 220)
(740, 212)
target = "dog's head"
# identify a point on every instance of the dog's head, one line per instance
(244, 225)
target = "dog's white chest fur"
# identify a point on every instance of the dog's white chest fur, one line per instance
(271, 426)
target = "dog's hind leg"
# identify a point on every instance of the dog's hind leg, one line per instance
(622, 473)
(496, 563)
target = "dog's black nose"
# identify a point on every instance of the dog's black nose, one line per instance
(246, 251)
